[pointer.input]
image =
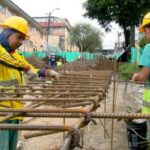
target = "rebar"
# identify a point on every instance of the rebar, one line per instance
(82, 81)
(77, 104)
(37, 134)
(10, 116)
(54, 93)
(92, 115)
(67, 142)
(55, 89)
(83, 78)
(113, 105)
(90, 87)
(82, 84)
(36, 127)
(56, 110)
(54, 100)
(66, 86)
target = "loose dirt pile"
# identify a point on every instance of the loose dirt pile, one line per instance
(77, 65)
(88, 65)
(106, 65)
(37, 62)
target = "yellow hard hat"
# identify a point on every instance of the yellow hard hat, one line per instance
(17, 23)
(145, 21)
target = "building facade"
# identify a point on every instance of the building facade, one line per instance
(58, 32)
(37, 34)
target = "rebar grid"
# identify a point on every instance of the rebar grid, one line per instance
(81, 88)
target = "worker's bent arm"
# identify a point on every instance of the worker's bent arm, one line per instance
(142, 75)
(40, 72)
(145, 66)
(9, 61)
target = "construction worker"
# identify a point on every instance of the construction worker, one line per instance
(59, 62)
(52, 61)
(144, 74)
(13, 66)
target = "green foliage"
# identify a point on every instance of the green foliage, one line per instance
(86, 37)
(127, 70)
(143, 41)
(126, 13)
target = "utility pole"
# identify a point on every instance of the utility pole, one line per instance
(48, 29)
(119, 43)
(48, 26)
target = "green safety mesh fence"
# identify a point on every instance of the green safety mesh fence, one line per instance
(135, 55)
(70, 56)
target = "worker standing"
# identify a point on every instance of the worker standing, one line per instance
(144, 74)
(53, 61)
(13, 66)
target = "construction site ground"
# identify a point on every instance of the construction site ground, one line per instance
(93, 135)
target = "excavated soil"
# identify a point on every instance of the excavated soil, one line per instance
(37, 62)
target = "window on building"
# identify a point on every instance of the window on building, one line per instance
(42, 19)
(62, 42)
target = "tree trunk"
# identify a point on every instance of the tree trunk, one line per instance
(132, 35)
(126, 36)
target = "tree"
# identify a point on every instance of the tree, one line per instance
(127, 13)
(86, 37)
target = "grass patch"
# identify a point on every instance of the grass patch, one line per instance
(127, 70)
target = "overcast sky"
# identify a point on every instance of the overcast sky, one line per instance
(70, 9)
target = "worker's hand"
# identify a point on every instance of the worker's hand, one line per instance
(54, 74)
(135, 77)
(31, 75)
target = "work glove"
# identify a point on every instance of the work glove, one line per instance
(31, 75)
(43, 73)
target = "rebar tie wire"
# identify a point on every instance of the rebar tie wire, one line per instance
(88, 119)
(75, 140)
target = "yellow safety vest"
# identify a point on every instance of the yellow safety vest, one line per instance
(146, 101)
(10, 75)
(59, 63)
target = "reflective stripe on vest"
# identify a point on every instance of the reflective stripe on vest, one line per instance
(146, 101)
(9, 83)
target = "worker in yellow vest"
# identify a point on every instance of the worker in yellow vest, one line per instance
(144, 74)
(59, 62)
(13, 66)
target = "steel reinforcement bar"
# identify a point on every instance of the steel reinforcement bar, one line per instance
(83, 114)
